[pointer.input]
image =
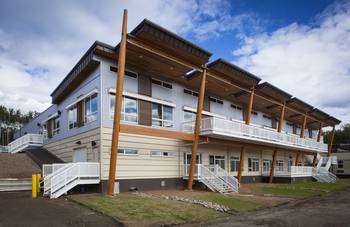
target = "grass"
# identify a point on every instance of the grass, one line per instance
(303, 189)
(133, 210)
(231, 202)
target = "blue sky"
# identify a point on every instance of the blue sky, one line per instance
(300, 46)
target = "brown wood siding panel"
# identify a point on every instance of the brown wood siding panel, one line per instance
(145, 108)
(49, 128)
(206, 103)
(80, 113)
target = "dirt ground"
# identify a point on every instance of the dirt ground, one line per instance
(18, 209)
(330, 210)
(17, 166)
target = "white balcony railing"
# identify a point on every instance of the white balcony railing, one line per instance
(25, 141)
(291, 171)
(241, 130)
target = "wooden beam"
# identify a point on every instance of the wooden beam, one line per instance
(148, 131)
(273, 165)
(241, 163)
(197, 128)
(272, 106)
(281, 120)
(302, 131)
(331, 142)
(118, 105)
(249, 107)
(295, 115)
(319, 132)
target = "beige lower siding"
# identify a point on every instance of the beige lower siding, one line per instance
(145, 166)
(142, 165)
(64, 148)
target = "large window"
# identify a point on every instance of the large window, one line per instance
(234, 164)
(266, 165)
(56, 126)
(128, 111)
(162, 115)
(91, 108)
(72, 117)
(279, 165)
(253, 164)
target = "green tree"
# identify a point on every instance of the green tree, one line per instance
(341, 135)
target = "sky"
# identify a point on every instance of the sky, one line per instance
(302, 47)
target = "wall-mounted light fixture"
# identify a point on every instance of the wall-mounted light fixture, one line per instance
(78, 142)
(93, 143)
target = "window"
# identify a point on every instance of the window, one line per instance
(266, 165)
(127, 152)
(128, 111)
(162, 83)
(234, 164)
(340, 171)
(56, 126)
(217, 160)
(72, 117)
(254, 113)
(127, 73)
(91, 108)
(213, 99)
(340, 164)
(253, 164)
(279, 165)
(236, 107)
(162, 115)
(190, 92)
(162, 154)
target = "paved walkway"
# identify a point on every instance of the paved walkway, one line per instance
(330, 210)
(18, 209)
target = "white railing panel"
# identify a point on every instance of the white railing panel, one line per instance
(25, 141)
(236, 128)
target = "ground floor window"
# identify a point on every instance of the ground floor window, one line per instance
(340, 164)
(234, 164)
(253, 164)
(266, 165)
(279, 165)
(162, 154)
(128, 151)
(217, 160)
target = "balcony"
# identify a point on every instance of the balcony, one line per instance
(291, 171)
(239, 131)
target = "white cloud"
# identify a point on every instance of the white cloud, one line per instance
(309, 61)
(40, 45)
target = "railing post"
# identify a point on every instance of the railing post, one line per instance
(331, 142)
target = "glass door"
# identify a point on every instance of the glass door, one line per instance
(217, 160)
(187, 162)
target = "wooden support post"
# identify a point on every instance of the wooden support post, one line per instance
(273, 165)
(302, 132)
(117, 107)
(249, 107)
(197, 128)
(281, 120)
(297, 158)
(331, 142)
(241, 163)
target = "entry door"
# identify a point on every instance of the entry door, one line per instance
(80, 155)
(187, 162)
(217, 160)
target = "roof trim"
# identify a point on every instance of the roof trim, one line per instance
(267, 84)
(158, 27)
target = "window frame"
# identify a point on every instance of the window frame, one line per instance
(253, 165)
(74, 110)
(162, 120)
(191, 92)
(340, 164)
(91, 114)
(161, 83)
(235, 160)
(269, 162)
(124, 153)
(123, 113)
(55, 129)
(216, 100)
(170, 154)
(279, 165)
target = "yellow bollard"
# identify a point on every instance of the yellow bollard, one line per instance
(34, 186)
(38, 179)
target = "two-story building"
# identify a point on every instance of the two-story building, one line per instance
(247, 127)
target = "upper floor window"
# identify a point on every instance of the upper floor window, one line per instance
(236, 107)
(214, 99)
(128, 111)
(253, 164)
(190, 92)
(91, 108)
(72, 117)
(162, 83)
(56, 126)
(162, 115)
(127, 73)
